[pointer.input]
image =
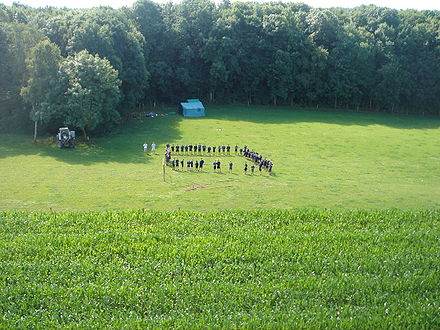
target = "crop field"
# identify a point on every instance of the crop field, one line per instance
(323, 159)
(291, 268)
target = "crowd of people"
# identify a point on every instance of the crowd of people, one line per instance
(173, 151)
(257, 160)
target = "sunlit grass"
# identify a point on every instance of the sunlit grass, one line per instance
(322, 159)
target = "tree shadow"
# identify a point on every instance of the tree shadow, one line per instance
(285, 115)
(124, 145)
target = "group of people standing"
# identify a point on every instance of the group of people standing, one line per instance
(197, 165)
(257, 160)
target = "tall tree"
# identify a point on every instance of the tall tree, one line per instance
(16, 41)
(89, 88)
(42, 69)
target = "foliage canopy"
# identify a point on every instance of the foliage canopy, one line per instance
(256, 53)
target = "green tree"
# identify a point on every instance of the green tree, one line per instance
(159, 52)
(16, 42)
(42, 69)
(89, 91)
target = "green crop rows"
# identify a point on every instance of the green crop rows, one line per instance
(299, 268)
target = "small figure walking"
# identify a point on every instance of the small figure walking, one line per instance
(252, 169)
(245, 168)
(230, 167)
(153, 146)
(145, 147)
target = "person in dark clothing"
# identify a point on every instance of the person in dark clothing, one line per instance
(177, 148)
(241, 151)
(209, 150)
(181, 164)
(230, 167)
(172, 148)
(197, 165)
(214, 165)
(228, 149)
(190, 147)
(252, 169)
(204, 148)
(201, 164)
(218, 166)
(177, 164)
(236, 148)
(245, 168)
(213, 149)
(173, 163)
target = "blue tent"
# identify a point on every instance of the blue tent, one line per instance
(192, 108)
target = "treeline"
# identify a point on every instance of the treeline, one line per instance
(88, 68)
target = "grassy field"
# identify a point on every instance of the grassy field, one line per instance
(322, 160)
(291, 268)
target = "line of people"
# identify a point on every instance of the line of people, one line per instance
(200, 149)
(177, 164)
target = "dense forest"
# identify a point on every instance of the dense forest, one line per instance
(88, 68)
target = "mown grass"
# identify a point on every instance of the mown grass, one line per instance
(322, 159)
(297, 268)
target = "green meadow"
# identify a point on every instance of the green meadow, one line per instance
(314, 269)
(323, 159)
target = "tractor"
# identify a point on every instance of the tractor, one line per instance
(66, 138)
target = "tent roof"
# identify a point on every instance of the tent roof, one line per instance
(192, 105)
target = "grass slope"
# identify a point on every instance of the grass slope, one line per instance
(300, 268)
(322, 159)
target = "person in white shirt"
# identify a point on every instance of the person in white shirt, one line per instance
(153, 146)
(145, 147)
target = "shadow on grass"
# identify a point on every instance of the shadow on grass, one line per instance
(288, 115)
(122, 146)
